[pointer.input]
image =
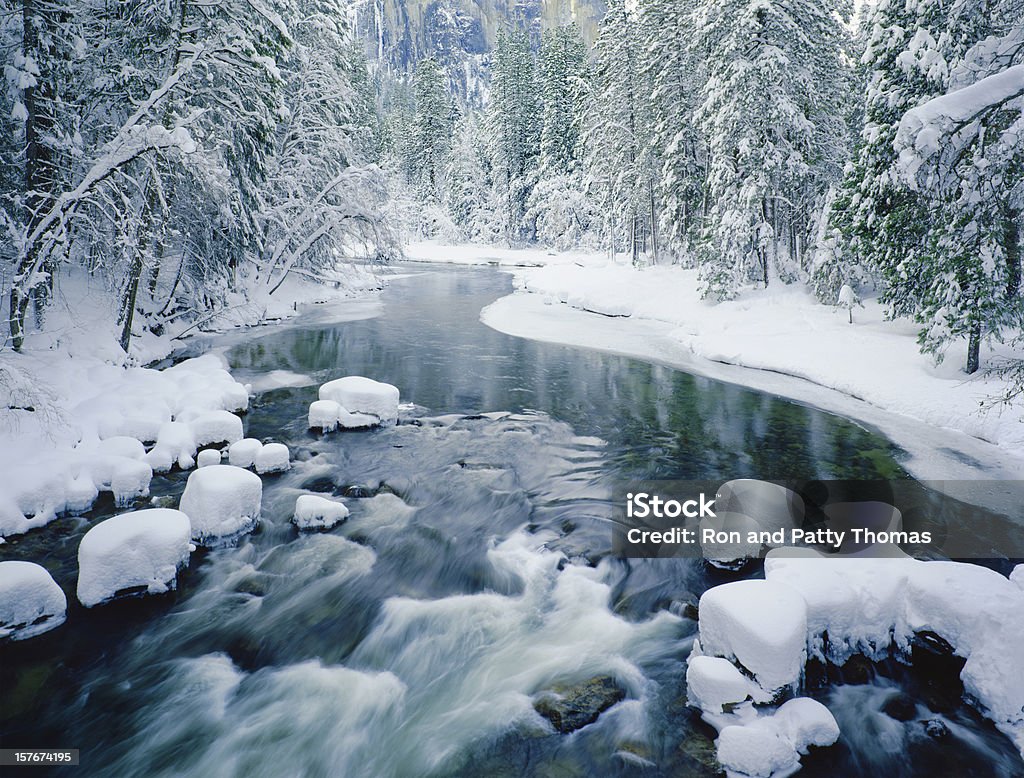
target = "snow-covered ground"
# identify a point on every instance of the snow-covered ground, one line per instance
(779, 340)
(77, 417)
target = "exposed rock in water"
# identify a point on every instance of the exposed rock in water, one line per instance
(900, 707)
(936, 729)
(569, 708)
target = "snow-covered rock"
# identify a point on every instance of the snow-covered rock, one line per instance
(272, 458)
(869, 606)
(315, 512)
(216, 427)
(713, 682)
(131, 551)
(207, 457)
(243, 452)
(31, 602)
(360, 395)
(221, 501)
(91, 438)
(175, 445)
(755, 752)
(324, 415)
(760, 624)
(763, 746)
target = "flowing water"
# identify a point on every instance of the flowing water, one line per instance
(472, 575)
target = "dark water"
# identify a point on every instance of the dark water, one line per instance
(472, 575)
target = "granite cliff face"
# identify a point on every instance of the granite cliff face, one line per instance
(461, 33)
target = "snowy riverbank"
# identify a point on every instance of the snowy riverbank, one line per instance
(77, 409)
(780, 341)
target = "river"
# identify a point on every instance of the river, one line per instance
(473, 573)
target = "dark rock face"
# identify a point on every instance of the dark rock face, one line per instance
(569, 708)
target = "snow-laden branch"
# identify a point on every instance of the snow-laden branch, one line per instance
(946, 124)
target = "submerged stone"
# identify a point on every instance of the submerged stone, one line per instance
(569, 708)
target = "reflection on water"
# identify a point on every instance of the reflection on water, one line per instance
(472, 574)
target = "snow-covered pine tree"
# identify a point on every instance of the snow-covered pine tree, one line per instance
(558, 204)
(467, 182)
(883, 223)
(677, 144)
(323, 194)
(961, 153)
(768, 109)
(433, 126)
(620, 168)
(514, 121)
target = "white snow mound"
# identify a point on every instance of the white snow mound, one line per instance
(314, 512)
(221, 501)
(243, 452)
(208, 457)
(360, 395)
(272, 458)
(31, 602)
(136, 549)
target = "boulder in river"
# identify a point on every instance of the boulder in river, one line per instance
(569, 708)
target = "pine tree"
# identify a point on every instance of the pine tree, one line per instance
(433, 125)
(768, 110)
(514, 120)
(620, 167)
(960, 153)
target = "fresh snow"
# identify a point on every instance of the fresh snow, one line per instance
(315, 512)
(272, 458)
(868, 606)
(221, 501)
(216, 427)
(760, 624)
(779, 340)
(131, 551)
(768, 745)
(713, 682)
(360, 395)
(243, 453)
(31, 602)
(88, 423)
(207, 457)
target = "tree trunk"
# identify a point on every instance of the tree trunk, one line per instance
(973, 349)
(36, 183)
(131, 293)
(1011, 244)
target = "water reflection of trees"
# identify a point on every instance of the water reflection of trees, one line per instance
(661, 423)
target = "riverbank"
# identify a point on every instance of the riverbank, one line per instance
(78, 410)
(778, 340)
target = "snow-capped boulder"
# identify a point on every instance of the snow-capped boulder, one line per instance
(272, 458)
(216, 427)
(760, 624)
(755, 752)
(243, 452)
(713, 682)
(324, 415)
(208, 457)
(315, 512)
(360, 395)
(175, 445)
(221, 501)
(762, 746)
(31, 602)
(80, 493)
(136, 552)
